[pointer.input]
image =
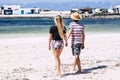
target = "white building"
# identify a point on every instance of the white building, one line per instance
(98, 10)
(30, 10)
(10, 9)
(17, 10)
(0, 11)
(115, 9)
(110, 10)
(75, 10)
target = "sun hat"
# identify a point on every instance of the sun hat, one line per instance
(75, 16)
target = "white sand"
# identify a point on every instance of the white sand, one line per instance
(27, 57)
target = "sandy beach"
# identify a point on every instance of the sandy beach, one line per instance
(26, 57)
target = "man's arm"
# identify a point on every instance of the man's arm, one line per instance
(83, 39)
(69, 33)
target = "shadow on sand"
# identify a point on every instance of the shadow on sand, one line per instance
(86, 71)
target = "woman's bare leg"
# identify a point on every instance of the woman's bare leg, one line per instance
(56, 54)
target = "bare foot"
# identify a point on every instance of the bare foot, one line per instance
(79, 70)
(59, 75)
(73, 69)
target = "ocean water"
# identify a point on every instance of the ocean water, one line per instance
(42, 25)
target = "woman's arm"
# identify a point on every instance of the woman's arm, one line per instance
(49, 41)
(65, 38)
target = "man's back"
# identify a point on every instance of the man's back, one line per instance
(77, 29)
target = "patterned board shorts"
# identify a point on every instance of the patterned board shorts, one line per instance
(76, 49)
(57, 44)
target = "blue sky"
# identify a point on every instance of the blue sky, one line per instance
(59, 4)
(58, 1)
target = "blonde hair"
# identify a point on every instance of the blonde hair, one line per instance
(60, 25)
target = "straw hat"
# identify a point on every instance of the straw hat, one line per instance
(75, 16)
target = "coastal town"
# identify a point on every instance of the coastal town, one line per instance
(16, 11)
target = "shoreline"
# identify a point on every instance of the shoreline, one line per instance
(18, 35)
(33, 16)
(97, 16)
(106, 16)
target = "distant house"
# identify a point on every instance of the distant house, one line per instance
(96, 10)
(114, 10)
(75, 10)
(110, 11)
(30, 10)
(117, 9)
(17, 10)
(99, 11)
(86, 10)
(10, 9)
(0, 11)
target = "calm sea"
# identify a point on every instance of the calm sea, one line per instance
(41, 25)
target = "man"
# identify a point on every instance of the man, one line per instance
(76, 31)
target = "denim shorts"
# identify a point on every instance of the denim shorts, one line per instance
(57, 44)
(76, 48)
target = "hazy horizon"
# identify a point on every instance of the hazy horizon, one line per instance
(62, 4)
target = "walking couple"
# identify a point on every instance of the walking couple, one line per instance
(58, 37)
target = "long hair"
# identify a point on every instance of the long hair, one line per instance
(60, 25)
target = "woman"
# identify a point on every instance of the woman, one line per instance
(76, 31)
(57, 34)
